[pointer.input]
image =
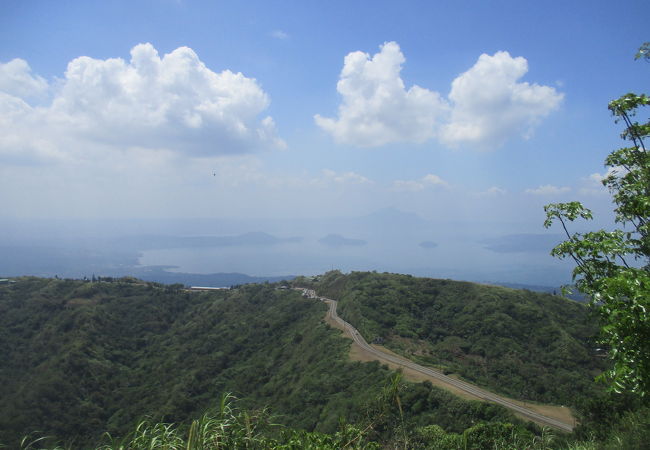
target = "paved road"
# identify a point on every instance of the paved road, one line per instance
(462, 385)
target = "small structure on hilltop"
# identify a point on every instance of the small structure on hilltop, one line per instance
(207, 288)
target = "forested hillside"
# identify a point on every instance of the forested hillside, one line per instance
(78, 358)
(524, 344)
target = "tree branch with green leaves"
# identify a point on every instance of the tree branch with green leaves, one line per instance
(613, 267)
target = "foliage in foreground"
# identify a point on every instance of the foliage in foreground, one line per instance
(613, 267)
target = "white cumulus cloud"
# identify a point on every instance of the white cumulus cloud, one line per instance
(487, 105)
(548, 189)
(493, 191)
(426, 181)
(17, 80)
(376, 107)
(173, 102)
(593, 184)
(345, 177)
(598, 178)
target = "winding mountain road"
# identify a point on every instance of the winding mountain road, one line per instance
(462, 385)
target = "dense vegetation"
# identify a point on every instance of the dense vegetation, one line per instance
(524, 344)
(79, 358)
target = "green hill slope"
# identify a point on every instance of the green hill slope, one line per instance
(523, 344)
(80, 358)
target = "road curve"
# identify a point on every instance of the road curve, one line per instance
(462, 385)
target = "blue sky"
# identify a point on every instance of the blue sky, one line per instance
(464, 111)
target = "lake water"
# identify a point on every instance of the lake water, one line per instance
(461, 260)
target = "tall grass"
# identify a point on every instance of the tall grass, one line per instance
(224, 428)
(229, 427)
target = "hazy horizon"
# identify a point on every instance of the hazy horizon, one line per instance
(388, 241)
